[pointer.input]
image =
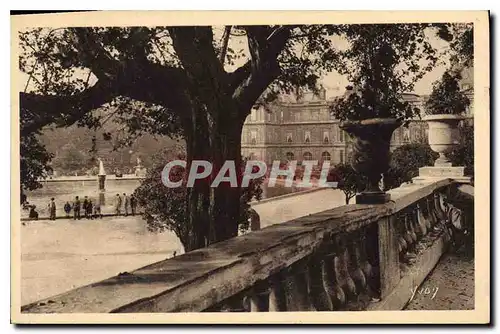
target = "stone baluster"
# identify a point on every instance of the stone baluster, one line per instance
(424, 210)
(417, 226)
(341, 261)
(366, 266)
(407, 235)
(277, 296)
(319, 295)
(440, 211)
(411, 226)
(432, 213)
(421, 221)
(331, 280)
(354, 250)
(402, 242)
(297, 286)
(259, 297)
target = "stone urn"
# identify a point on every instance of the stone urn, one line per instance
(442, 135)
(371, 154)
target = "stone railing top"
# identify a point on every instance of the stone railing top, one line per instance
(196, 280)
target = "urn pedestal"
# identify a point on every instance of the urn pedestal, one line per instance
(371, 154)
(443, 137)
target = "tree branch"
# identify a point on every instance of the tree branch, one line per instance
(225, 42)
(194, 47)
(38, 111)
(252, 79)
(93, 55)
(145, 82)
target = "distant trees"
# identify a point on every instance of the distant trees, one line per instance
(463, 153)
(34, 162)
(86, 145)
(405, 162)
(349, 181)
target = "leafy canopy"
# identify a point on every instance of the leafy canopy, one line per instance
(447, 97)
(383, 62)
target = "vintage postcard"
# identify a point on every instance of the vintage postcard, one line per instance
(250, 167)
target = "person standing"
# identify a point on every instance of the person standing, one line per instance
(85, 206)
(118, 204)
(133, 204)
(88, 212)
(76, 208)
(52, 209)
(125, 204)
(67, 209)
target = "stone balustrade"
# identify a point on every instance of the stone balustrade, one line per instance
(354, 257)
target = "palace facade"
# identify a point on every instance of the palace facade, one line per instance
(303, 129)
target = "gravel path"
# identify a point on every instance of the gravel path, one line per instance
(450, 286)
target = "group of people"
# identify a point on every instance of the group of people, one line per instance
(90, 209)
(127, 203)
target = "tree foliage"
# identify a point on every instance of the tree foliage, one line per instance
(463, 153)
(446, 96)
(349, 181)
(383, 62)
(34, 162)
(405, 163)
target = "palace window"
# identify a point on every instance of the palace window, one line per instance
(289, 137)
(308, 156)
(253, 139)
(326, 137)
(307, 136)
(325, 156)
(341, 156)
(290, 156)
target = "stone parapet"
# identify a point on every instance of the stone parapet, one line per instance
(363, 252)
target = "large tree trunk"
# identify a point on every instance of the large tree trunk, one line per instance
(213, 212)
(225, 200)
(198, 198)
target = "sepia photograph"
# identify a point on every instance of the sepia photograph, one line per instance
(250, 167)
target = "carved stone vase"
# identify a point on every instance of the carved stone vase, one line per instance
(371, 154)
(442, 135)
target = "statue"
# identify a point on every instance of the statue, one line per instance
(101, 167)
